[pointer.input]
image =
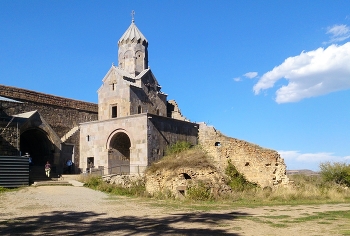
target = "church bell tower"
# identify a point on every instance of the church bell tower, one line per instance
(132, 52)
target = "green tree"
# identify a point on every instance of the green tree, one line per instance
(337, 172)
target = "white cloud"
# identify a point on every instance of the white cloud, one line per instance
(237, 79)
(251, 75)
(310, 74)
(338, 33)
(297, 160)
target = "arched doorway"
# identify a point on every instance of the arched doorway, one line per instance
(36, 143)
(119, 154)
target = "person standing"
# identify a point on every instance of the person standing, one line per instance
(30, 160)
(69, 164)
(47, 169)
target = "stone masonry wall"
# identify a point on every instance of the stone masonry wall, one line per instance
(174, 111)
(51, 100)
(164, 131)
(177, 181)
(62, 114)
(8, 140)
(259, 165)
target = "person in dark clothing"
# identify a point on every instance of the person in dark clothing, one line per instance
(69, 165)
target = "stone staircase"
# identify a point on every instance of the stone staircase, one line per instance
(37, 177)
(69, 134)
(37, 174)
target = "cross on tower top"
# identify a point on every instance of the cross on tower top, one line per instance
(132, 16)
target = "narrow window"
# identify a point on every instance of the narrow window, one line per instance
(157, 112)
(139, 110)
(114, 111)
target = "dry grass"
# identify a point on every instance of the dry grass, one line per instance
(306, 189)
(191, 158)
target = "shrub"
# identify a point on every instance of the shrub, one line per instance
(237, 181)
(93, 181)
(199, 192)
(137, 188)
(178, 147)
(337, 172)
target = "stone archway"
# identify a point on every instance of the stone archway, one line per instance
(37, 144)
(119, 154)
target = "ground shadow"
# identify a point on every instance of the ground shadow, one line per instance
(91, 223)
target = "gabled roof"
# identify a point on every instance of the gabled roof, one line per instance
(28, 119)
(26, 114)
(132, 34)
(131, 79)
(139, 76)
(125, 73)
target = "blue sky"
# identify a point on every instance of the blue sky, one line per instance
(274, 73)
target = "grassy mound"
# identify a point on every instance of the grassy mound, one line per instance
(186, 158)
(328, 187)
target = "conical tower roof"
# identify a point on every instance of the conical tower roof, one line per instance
(132, 34)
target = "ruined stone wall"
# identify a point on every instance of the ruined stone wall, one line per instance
(174, 111)
(259, 165)
(177, 181)
(62, 115)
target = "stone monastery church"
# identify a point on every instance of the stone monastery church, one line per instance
(135, 120)
(127, 130)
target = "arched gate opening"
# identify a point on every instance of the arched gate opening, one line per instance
(119, 154)
(36, 143)
(40, 148)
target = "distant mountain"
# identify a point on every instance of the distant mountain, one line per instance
(302, 172)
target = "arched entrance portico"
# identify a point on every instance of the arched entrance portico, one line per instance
(119, 154)
(37, 144)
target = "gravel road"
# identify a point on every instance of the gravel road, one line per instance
(68, 210)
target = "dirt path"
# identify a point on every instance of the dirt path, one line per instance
(67, 210)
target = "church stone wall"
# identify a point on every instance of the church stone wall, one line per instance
(259, 165)
(95, 138)
(114, 92)
(155, 100)
(149, 136)
(165, 131)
